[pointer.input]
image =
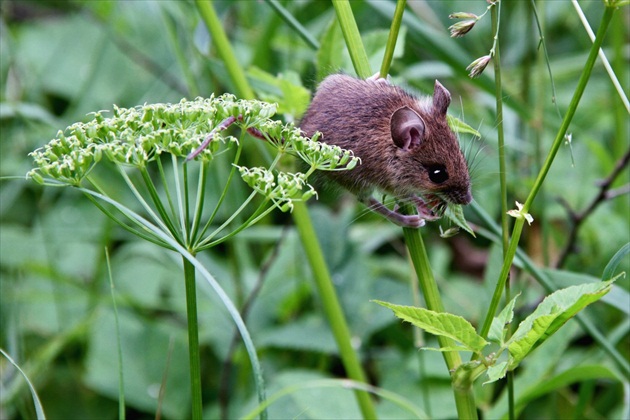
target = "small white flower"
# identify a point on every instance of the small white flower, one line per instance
(519, 214)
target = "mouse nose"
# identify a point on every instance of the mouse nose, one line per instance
(461, 196)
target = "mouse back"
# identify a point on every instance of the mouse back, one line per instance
(404, 142)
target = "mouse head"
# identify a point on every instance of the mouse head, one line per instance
(432, 161)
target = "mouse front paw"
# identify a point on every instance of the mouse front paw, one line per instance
(426, 210)
(413, 221)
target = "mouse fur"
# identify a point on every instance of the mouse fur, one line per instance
(404, 142)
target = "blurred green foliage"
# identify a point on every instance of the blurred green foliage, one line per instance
(61, 60)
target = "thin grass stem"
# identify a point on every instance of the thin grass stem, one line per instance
(294, 23)
(393, 37)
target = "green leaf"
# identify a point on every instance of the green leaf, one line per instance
(561, 380)
(497, 329)
(39, 409)
(609, 271)
(496, 372)
(284, 89)
(456, 214)
(531, 336)
(458, 126)
(440, 323)
(550, 315)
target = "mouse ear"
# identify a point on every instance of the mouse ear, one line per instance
(441, 99)
(407, 128)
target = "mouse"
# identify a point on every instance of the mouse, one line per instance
(406, 147)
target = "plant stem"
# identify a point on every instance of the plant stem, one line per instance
(353, 38)
(464, 399)
(332, 308)
(193, 339)
(222, 44)
(518, 226)
(505, 238)
(294, 23)
(393, 36)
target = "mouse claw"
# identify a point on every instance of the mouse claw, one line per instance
(413, 221)
(424, 210)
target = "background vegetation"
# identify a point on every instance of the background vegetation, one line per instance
(62, 60)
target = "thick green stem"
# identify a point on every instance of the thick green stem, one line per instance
(518, 226)
(353, 38)
(193, 340)
(331, 306)
(222, 44)
(464, 399)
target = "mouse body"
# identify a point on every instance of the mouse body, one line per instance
(406, 147)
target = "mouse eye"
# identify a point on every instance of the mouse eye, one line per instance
(438, 173)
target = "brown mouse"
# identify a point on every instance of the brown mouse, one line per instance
(406, 147)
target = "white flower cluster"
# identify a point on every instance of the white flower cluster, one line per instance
(135, 136)
(282, 188)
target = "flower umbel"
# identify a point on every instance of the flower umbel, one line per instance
(140, 141)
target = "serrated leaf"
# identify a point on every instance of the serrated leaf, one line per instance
(550, 315)
(456, 214)
(458, 126)
(533, 334)
(440, 323)
(496, 372)
(497, 329)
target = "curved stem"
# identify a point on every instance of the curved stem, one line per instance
(518, 226)
(393, 36)
(331, 306)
